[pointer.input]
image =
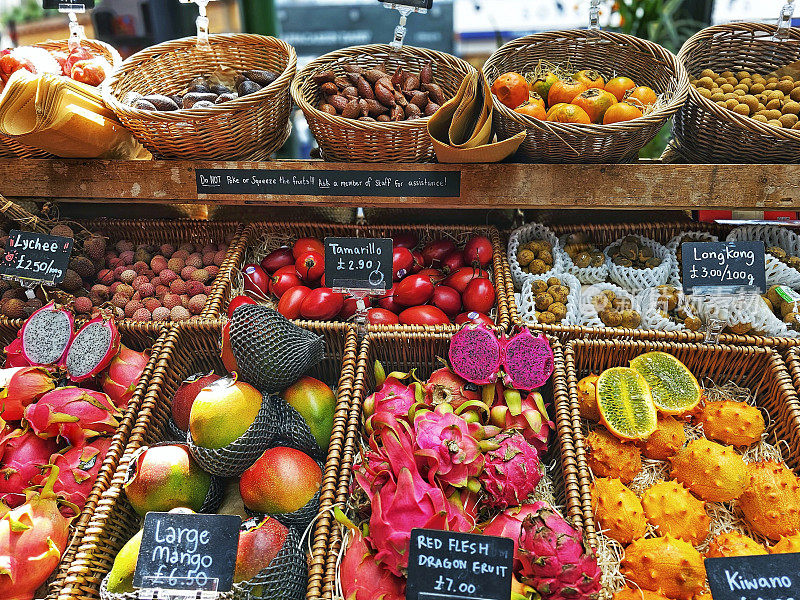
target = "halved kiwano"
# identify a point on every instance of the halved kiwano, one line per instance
(625, 404)
(674, 389)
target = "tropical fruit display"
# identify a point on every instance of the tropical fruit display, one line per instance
(551, 297)
(583, 252)
(143, 282)
(435, 282)
(784, 302)
(535, 257)
(249, 443)
(680, 473)
(553, 93)
(80, 64)
(62, 395)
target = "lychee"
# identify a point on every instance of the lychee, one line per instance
(72, 281)
(156, 281)
(213, 271)
(195, 288)
(140, 267)
(141, 315)
(187, 272)
(119, 300)
(167, 250)
(147, 290)
(128, 276)
(158, 264)
(131, 308)
(179, 286)
(175, 264)
(195, 260)
(125, 290)
(219, 257)
(617, 511)
(82, 266)
(161, 314)
(197, 303)
(188, 247)
(151, 304)
(161, 291)
(208, 259)
(179, 313)
(126, 258)
(124, 246)
(182, 254)
(105, 276)
(167, 276)
(83, 305)
(101, 291)
(171, 301)
(95, 247)
(139, 280)
(611, 457)
(63, 230)
(200, 275)
(14, 308)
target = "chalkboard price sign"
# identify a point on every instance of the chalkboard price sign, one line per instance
(766, 577)
(723, 265)
(444, 565)
(187, 552)
(358, 263)
(66, 4)
(426, 4)
(36, 257)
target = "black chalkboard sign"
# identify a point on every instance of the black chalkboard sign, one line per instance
(36, 257)
(444, 565)
(766, 577)
(358, 263)
(286, 182)
(65, 4)
(732, 265)
(414, 3)
(187, 552)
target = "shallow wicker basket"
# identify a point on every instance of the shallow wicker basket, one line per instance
(608, 53)
(252, 127)
(11, 148)
(709, 133)
(350, 140)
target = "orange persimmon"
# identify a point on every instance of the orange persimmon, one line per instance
(643, 94)
(511, 89)
(565, 90)
(591, 78)
(618, 86)
(595, 102)
(542, 85)
(532, 109)
(567, 113)
(622, 111)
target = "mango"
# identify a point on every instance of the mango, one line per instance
(282, 480)
(316, 403)
(259, 544)
(222, 412)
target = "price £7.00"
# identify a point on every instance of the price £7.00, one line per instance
(724, 274)
(446, 584)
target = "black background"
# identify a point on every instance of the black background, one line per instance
(53, 4)
(60, 258)
(414, 3)
(357, 279)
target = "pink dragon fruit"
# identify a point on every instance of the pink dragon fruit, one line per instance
(21, 386)
(25, 456)
(508, 524)
(444, 386)
(119, 381)
(391, 396)
(464, 515)
(446, 449)
(94, 347)
(475, 353)
(554, 559)
(32, 539)
(78, 468)
(73, 413)
(360, 575)
(46, 335)
(511, 472)
(527, 361)
(15, 356)
(528, 415)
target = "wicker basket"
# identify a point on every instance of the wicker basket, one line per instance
(10, 147)
(279, 234)
(406, 351)
(349, 140)
(251, 127)
(759, 369)
(186, 350)
(610, 54)
(137, 336)
(708, 133)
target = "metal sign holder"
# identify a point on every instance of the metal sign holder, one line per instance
(400, 31)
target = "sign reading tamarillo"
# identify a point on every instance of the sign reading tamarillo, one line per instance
(764, 577)
(444, 565)
(187, 552)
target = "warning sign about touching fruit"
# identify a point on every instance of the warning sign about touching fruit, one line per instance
(444, 565)
(66, 4)
(35, 257)
(182, 551)
(358, 263)
(763, 577)
(382, 184)
(710, 267)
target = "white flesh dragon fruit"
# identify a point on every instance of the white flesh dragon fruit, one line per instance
(46, 335)
(94, 347)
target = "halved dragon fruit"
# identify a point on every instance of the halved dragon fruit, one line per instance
(94, 347)
(528, 361)
(46, 335)
(475, 353)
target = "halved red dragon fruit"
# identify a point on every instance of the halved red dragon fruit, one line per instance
(73, 413)
(527, 361)
(46, 336)
(475, 353)
(93, 348)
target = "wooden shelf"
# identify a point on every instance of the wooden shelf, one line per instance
(640, 186)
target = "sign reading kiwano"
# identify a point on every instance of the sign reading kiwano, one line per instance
(764, 577)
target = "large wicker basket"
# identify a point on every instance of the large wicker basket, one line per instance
(708, 133)
(350, 140)
(608, 53)
(252, 126)
(404, 352)
(761, 370)
(11, 148)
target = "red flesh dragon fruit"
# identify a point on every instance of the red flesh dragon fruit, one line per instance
(475, 353)
(445, 386)
(527, 361)
(511, 472)
(510, 410)
(14, 355)
(391, 396)
(46, 335)
(554, 559)
(32, 539)
(94, 347)
(360, 575)
(78, 469)
(119, 381)
(20, 387)
(446, 447)
(73, 413)
(508, 524)
(25, 456)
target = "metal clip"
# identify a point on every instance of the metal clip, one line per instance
(594, 15)
(784, 22)
(202, 24)
(713, 330)
(400, 31)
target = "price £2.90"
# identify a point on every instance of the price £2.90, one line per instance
(724, 275)
(359, 264)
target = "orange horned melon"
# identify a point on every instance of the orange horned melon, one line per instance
(666, 565)
(713, 472)
(672, 510)
(771, 500)
(734, 544)
(667, 439)
(618, 511)
(787, 545)
(587, 396)
(732, 423)
(627, 593)
(611, 457)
